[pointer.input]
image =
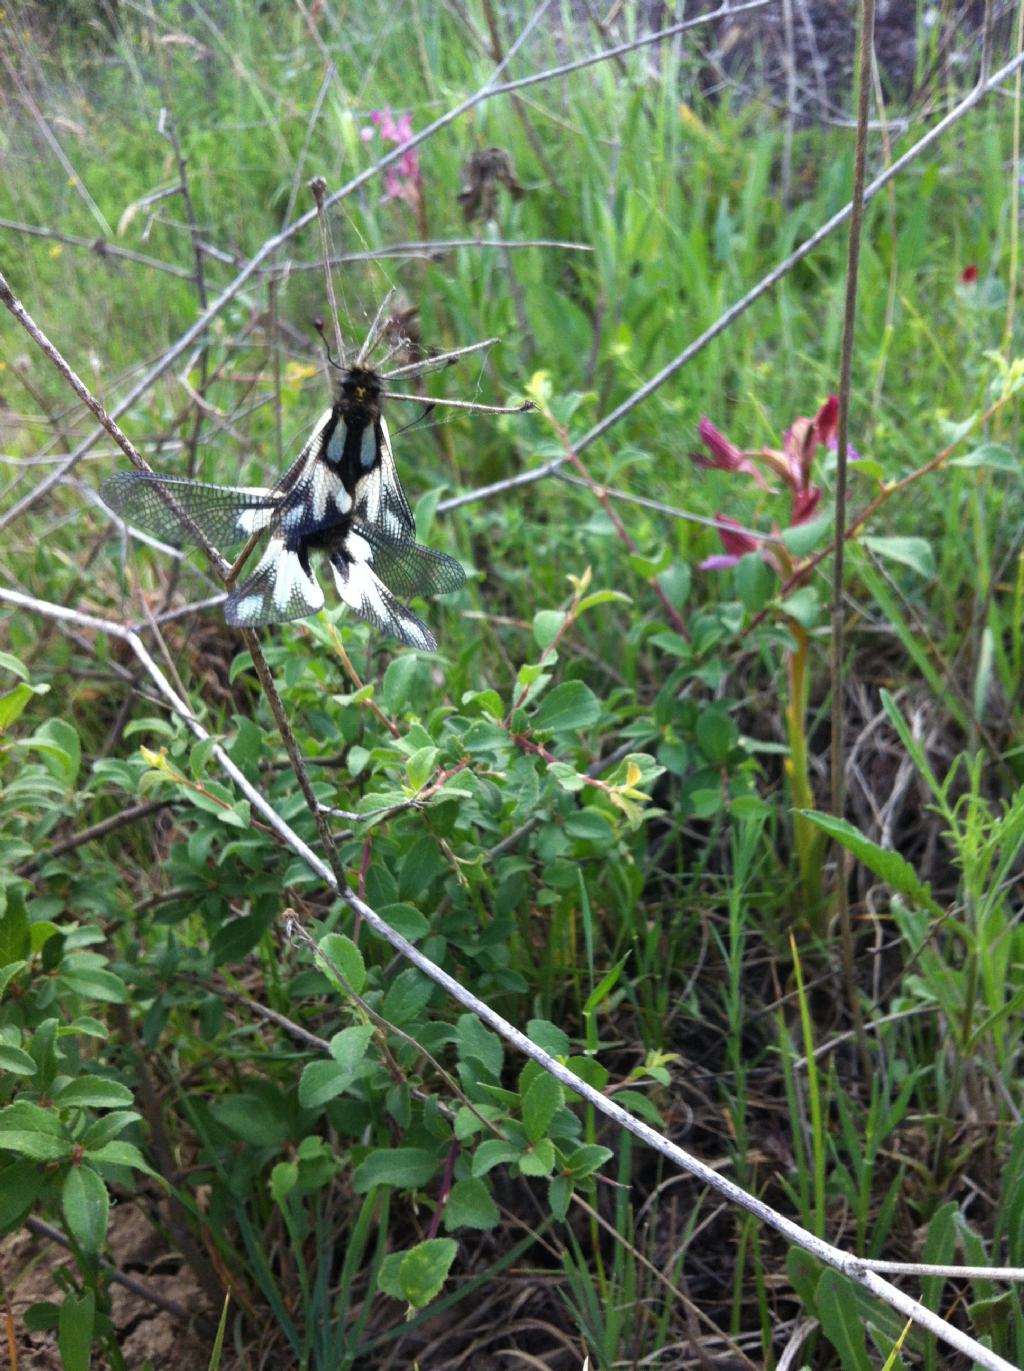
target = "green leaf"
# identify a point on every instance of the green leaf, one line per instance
(755, 582)
(571, 705)
(74, 1331)
(590, 825)
(11, 663)
(249, 1118)
(243, 662)
(13, 703)
(283, 1179)
(804, 606)
(234, 940)
(543, 1096)
(95, 1092)
(348, 1048)
(995, 455)
(716, 735)
(651, 567)
(470, 1205)
(123, 1154)
(41, 1147)
(604, 597)
(405, 919)
(547, 624)
(419, 766)
(15, 939)
(548, 1036)
(423, 1270)
(94, 982)
(841, 1320)
(322, 1081)
(890, 867)
(20, 1183)
(492, 1153)
(400, 681)
(14, 1060)
(587, 1159)
(559, 1194)
(915, 553)
(61, 750)
(406, 996)
(389, 1277)
(342, 951)
(804, 538)
(8, 973)
(474, 1040)
(107, 1127)
(406, 1167)
(86, 1206)
(605, 986)
(540, 1160)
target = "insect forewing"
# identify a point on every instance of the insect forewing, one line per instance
(224, 514)
(380, 501)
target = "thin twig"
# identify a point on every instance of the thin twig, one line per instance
(842, 894)
(99, 246)
(144, 1292)
(848, 1265)
(311, 123)
(430, 248)
(95, 831)
(107, 421)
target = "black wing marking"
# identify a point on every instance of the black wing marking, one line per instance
(379, 501)
(408, 567)
(282, 587)
(223, 514)
(313, 491)
(363, 591)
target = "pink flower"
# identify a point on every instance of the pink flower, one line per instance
(826, 421)
(969, 275)
(737, 544)
(403, 180)
(725, 456)
(805, 502)
(793, 465)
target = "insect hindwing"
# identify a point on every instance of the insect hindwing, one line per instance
(363, 591)
(282, 587)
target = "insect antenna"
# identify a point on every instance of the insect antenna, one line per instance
(318, 324)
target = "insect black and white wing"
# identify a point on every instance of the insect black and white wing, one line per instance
(282, 587)
(363, 591)
(172, 508)
(379, 500)
(314, 493)
(408, 567)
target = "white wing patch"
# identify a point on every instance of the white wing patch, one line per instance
(368, 448)
(252, 521)
(360, 588)
(278, 590)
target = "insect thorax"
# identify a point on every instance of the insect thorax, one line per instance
(357, 396)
